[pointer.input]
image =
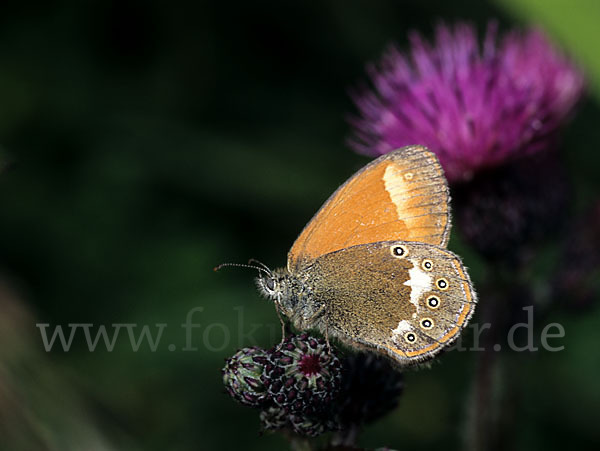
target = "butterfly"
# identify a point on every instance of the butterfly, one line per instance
(371, 268)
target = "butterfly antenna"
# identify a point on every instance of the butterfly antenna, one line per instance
(240, 265)
(253, 261)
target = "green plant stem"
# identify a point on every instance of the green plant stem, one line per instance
(492, 401)
(300, 444)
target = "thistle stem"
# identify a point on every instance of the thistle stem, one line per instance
(490, 419)
(300, 444)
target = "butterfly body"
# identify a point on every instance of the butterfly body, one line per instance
(372, 269)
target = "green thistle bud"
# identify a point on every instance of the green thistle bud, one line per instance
(273, 417)
(242, 376)
(310, 426)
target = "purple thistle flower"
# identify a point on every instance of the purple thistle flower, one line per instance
(475, 106)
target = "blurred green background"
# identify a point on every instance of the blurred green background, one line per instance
(142, 143)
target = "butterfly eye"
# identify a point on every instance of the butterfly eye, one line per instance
(410, 337)
(427, 323)
(442, 284)
(427, 265)
(399, 251)
(270, 283)
(433, 302)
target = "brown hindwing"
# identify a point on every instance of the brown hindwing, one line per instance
(407, 300)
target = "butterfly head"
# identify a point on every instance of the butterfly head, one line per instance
(272, 284)
(280, 287)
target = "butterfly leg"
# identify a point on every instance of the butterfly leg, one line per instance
(313, 318)
(283, 326)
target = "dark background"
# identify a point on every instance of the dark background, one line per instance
(143, 143)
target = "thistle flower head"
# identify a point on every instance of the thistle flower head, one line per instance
(476, 106)
(302, 375)
(505, 213)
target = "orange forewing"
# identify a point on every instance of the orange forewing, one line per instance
(402, 195)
